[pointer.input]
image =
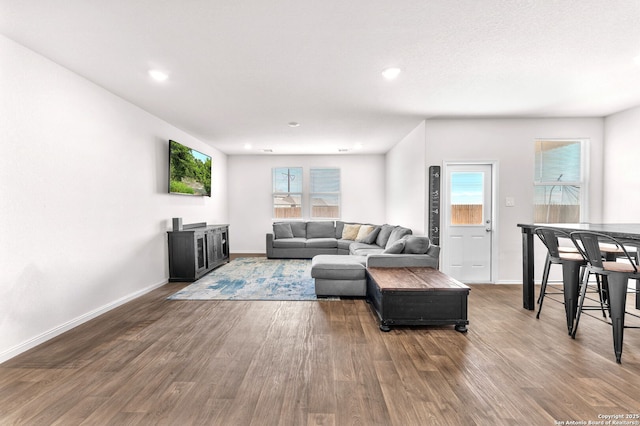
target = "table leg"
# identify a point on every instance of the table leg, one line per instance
(528, 296)
(617, 302)
(571, 284)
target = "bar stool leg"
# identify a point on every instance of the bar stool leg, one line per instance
(571, 281)
(600, 287)
(584, 283)
(617, 301)
(545, 280)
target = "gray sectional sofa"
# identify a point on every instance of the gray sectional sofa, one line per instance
(342, 251)
(304, 240)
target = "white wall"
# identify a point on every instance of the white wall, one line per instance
(84, 207)
(510, 143)
(622, 174)
(250, 205)
(406, 183)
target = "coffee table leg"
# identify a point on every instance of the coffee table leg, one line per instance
(462, 328)
(384, 327)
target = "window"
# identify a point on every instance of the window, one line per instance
(467, 198)
(325, 193)
(558, 182)
(287, 192)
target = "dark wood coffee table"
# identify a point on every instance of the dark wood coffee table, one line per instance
(417, 296)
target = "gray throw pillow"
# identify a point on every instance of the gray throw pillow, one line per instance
(322, 229)
(299, 229)
(397, 233)
(282, 230)
(416, 244)
(394, 248)
(383, 235)
(371, 238)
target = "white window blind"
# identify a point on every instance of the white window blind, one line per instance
(558, 181)
(324, 192)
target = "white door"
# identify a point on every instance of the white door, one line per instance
(468, 222)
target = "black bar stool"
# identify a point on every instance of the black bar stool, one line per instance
(617, 274)
(571, 263)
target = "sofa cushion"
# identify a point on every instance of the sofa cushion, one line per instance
(366, 251)
(395, 247)
(362, 249)
(338, 267)
(364, 231)
(321, 243)
(414, 244)
(282, 230)
(289, 243)
(344, 244)
(350, 231)
(396, 234)
(371, 238)
(339, 228)
(321, 229)
(383, 235)
(299, 229)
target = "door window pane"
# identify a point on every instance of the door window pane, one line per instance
(467, 193)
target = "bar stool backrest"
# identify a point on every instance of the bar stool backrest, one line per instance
(589, 243)
(549, 237)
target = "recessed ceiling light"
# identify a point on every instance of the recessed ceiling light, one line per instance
(357, 146)
(247, 146)
(158, 75)
(391, 73)
(293, 124)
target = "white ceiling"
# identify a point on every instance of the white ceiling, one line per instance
(240, 70)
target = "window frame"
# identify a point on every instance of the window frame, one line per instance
(283, 194)
(318, 194)
(582, 184)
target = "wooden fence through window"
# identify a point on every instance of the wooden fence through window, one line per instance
(287, 212)
(466, 214)
(471, 214)
(556, 213)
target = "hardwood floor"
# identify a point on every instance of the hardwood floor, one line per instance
(154, 361)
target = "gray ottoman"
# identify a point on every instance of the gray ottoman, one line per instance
(339, 275)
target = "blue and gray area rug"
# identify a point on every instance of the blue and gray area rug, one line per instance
(254, 278)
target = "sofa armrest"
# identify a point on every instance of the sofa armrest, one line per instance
(269, 246)
(401, 261)
(434, 251)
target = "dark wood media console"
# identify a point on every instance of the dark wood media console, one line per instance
(417, 296)
(196, 250)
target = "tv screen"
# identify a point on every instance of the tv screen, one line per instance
(189, 171)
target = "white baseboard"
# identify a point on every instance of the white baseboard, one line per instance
(56, 331)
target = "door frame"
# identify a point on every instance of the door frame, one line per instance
(446, 211)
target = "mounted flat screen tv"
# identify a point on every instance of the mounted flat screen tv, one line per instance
(189, 171)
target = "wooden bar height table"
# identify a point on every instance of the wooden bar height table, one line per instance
(417, 296)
